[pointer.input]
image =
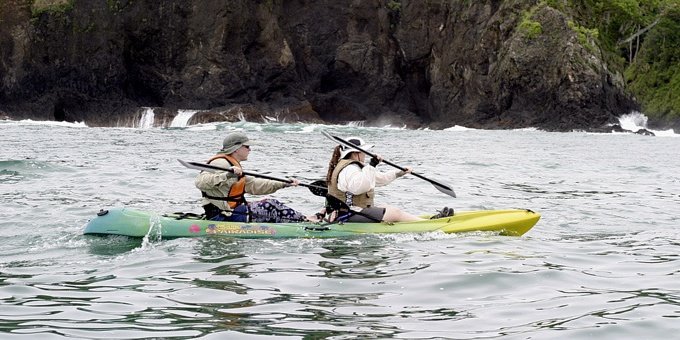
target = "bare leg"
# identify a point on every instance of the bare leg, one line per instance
(393, 214)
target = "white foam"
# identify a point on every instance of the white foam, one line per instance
(458, 128)
(52, 123)
(203, 127)
(633, 121)
(357, 123)
(182, 118)
(303, 128)
(636, 121)
(147, 119)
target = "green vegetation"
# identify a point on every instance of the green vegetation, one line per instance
(394, 5)
(39, 7)
(586, 36)
(117, 5)
(557, 4)
(654, 75)
(639, 38)
(530, 28)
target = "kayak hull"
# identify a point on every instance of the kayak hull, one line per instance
(137, 223)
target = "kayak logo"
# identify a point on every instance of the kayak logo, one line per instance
(230, 229)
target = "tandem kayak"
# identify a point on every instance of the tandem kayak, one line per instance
(137, 223)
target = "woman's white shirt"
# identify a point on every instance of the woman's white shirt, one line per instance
(359, 180)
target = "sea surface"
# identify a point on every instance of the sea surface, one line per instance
(602, 263)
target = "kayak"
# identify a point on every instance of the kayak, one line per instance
(137, 223)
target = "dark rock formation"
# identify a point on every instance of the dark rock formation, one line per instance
(435, 63)
(617, 128)
(645, 132)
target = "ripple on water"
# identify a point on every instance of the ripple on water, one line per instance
(602, 262)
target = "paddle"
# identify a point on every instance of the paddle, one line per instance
(440, 186)
(314, 187)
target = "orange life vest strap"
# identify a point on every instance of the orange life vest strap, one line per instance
(237, 191)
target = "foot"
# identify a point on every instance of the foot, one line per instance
(446, 212)
(313, 218)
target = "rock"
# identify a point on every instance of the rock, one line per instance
(435, 64)
(289, 112)
(645, 132)
(617, 128)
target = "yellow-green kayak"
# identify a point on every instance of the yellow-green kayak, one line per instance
(136, 223)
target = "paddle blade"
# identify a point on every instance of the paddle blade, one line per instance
(203, 167)
(444, 188)
(318, 188)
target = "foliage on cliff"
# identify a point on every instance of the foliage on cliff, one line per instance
(641, 38)
(655, 73)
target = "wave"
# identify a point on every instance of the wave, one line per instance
(636, 121)
(29, 166)
(463, 128)
(301, 128)
(45, 122)
(14, 171)
(182, 118)
(459, 128)
(25, 165)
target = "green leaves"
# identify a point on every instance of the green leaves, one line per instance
(640, 39)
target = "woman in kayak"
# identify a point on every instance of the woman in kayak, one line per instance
(351, 185)
(224, 192)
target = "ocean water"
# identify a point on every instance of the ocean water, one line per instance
(602, 263)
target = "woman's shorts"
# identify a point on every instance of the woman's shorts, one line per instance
(375, 213)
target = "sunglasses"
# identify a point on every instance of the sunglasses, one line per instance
(247, 146)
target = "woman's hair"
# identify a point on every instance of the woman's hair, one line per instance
(332, 164)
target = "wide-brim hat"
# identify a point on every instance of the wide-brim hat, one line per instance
(235, 140)
(345, 150)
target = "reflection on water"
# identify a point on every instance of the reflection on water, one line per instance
(112, 245)
(366, 261)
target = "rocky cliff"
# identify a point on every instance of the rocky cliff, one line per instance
(437, 63)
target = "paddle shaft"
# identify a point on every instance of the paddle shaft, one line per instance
(213, 168)
(440, 186)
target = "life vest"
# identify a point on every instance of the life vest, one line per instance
(236, 194)
(364, 200)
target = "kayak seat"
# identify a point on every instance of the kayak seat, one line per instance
(319, 228)
(185, 216)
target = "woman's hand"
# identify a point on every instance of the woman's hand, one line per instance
(375, 161)
(406, 171)
(293, 183)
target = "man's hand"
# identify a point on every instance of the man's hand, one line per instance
(237, 171)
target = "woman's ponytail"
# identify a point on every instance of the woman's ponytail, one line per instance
(332, 164)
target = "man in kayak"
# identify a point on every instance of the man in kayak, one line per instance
(224, 192)
(351, 185)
